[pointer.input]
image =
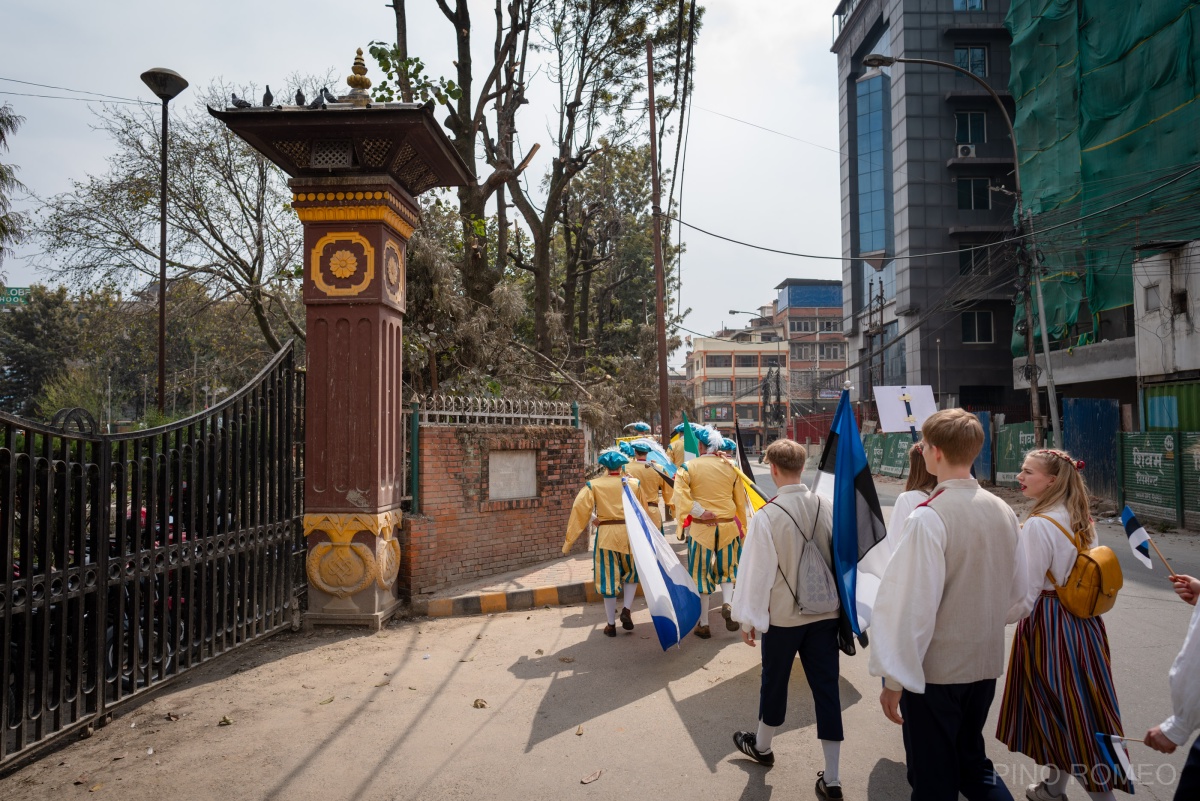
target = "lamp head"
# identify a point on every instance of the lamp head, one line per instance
(165, 83)
(878, 60)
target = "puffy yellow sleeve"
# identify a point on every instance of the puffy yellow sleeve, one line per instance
(581, 516)
(683, 495)
(667, 492)
(740, 502)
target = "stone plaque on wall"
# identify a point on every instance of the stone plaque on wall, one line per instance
(511, 475)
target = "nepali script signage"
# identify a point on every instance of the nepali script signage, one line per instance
(1012, 443)
(1151, 478)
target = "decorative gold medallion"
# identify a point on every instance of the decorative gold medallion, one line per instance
(342, 264)
(393, 272)
(342, 567)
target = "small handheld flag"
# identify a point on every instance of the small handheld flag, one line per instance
(691, 445)
(670, 592)
(1114, 754)
(1139, 540)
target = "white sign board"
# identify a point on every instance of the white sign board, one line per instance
(894, 412)
(511, 475)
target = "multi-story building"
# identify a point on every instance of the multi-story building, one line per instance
(728, 372)
(925, 178)
(810, 310)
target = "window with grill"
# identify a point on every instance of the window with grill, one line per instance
(832, 352)
(773, 361)
(718, 360)
(973, 259)
(746, 386)
(718, 386)
(745, 361)
(970, 127)
(974, 194)
(805, 353)
(831, 325)
(977, 328)
(802, 326)
(972, 58)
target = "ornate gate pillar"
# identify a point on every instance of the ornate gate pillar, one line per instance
(356, 168)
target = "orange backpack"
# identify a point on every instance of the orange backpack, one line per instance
(1092, 585)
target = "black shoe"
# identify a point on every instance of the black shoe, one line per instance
(824, 790)
(744, 740)
(610, 630)
(626, 619)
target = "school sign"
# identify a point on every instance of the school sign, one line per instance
(13, 296)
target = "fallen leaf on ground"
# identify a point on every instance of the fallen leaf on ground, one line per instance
(308, 687)
(95, 787)
(471, 659)
(119, 757)
(591, 778)
(384, 683)
(567, 659)
(328, 700)
(412, 688)
(479, 636)
(645, 636)
(579, 732)
(226, 721)
(480, 704)
(83, 779)
(539, 652)
(171, 716)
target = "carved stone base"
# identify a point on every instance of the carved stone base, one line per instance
(353, 561)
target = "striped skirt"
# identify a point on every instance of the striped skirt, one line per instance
(709, 568)
(1059, 692)
(612, 571)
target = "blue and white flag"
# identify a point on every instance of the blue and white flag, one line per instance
(844, 476)
(1112, 749)
(670, 592)
(1139, 540)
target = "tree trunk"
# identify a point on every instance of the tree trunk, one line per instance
(541, 288)
(406, 93)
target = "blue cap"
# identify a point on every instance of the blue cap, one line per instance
(640, 427)
(727, 445)
(626, 448)
(613, 459)
(679, 428)
(640, 446)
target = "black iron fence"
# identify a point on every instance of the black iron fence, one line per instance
(131, 558)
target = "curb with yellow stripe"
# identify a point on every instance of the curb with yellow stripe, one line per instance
(488, 603)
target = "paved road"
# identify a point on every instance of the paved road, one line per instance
(339, 714)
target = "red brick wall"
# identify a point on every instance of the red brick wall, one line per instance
(459, 534)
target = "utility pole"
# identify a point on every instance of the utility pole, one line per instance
(660, 281)
(1031, 365)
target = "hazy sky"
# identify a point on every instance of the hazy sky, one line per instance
(762, 61)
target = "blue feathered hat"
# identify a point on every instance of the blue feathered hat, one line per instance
(612, 459)
(640, 427)
(727, 445)
(626, 448)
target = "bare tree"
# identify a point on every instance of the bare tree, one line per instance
(12, 224)
(231, 226)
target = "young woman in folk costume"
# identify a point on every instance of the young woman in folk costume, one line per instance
(710, 505)
(652, 481)
(599, 500)
(1059, 689)
(920, 484)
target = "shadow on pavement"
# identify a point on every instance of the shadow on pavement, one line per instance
(888, 781)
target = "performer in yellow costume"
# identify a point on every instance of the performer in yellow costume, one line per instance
(612, 561)
(710, 503)
(652, 481)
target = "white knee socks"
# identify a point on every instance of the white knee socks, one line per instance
(610, 609)
(726, 592)
(833, 750)
(762, 738)
(630, 594)
(704, 609)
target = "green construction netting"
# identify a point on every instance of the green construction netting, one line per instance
(1107, 123)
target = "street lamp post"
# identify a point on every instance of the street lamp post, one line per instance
(878, 60)
(166, 84)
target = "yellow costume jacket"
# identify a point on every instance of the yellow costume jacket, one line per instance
(677, 451)
(652, 483)
(714, 484)
(601, 497)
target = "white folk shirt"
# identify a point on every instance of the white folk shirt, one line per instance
(909, 602)
(905, 503)
(1046, 549)
(1185, 687)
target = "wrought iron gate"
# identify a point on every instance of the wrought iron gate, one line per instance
(131, 558)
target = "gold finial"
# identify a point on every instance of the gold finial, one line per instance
(359, 82)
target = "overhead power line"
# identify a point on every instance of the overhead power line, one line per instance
(73, 91)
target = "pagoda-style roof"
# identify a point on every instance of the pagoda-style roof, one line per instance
(400, 140)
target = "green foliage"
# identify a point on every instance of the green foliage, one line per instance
(36, 340)
(12, 224)
(424, 87)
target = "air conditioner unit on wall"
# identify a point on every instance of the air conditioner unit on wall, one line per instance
(964, 151)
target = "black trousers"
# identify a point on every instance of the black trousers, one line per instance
(1189, 780)
(943, 743)
(817, 645)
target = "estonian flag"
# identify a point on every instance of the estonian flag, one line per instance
(1139, 540)
(670, 592)
(845, 476)
(1113, 751)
